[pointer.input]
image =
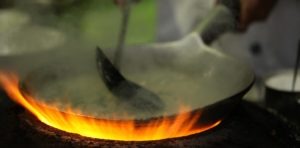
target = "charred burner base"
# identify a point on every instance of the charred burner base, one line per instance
(248, 126)
(52, 137)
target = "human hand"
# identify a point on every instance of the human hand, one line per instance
(254, 10)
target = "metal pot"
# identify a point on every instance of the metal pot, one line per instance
(280, 95)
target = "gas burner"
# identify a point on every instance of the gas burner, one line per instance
(247, 126)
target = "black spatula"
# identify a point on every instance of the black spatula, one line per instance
(134, 95)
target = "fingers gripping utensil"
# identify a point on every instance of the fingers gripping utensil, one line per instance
(128, 92)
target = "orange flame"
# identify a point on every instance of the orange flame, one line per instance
(183, 124)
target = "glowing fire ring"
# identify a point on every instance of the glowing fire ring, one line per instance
(183, 124)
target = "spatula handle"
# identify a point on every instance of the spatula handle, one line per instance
(222, 18)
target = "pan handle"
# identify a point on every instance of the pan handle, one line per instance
(224, 17)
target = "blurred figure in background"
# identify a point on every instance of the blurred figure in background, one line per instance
(178, 18)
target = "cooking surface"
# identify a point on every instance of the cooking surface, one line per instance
(247, 126)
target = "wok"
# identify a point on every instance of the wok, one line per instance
(185, 73)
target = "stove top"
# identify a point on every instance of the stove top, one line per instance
(248, 126)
